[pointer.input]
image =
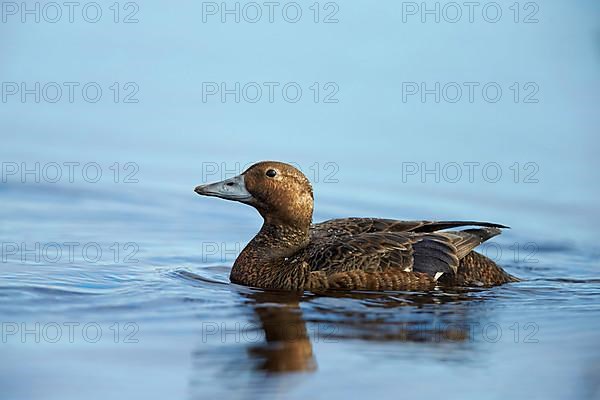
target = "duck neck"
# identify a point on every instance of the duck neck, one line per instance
(275, 241)
(261, 258)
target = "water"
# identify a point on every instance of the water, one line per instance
(184, 331)
(154, 315)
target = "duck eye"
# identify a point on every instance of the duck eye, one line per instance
(271, 173)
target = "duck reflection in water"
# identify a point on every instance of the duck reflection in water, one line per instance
(289, 332)
(287, 346)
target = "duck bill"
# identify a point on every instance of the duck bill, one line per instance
(229, 189)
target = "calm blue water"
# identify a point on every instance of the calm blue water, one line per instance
(116, 285)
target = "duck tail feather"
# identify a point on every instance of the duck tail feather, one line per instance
(442, 225)
(467, 239)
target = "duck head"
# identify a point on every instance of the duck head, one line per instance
(281, 193)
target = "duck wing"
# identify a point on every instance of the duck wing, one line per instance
(369, 252)
(374, 246)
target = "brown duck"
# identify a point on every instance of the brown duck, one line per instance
(291, 253)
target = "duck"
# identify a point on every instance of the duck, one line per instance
(292, 253)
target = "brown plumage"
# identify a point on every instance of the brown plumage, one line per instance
(291, 253)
